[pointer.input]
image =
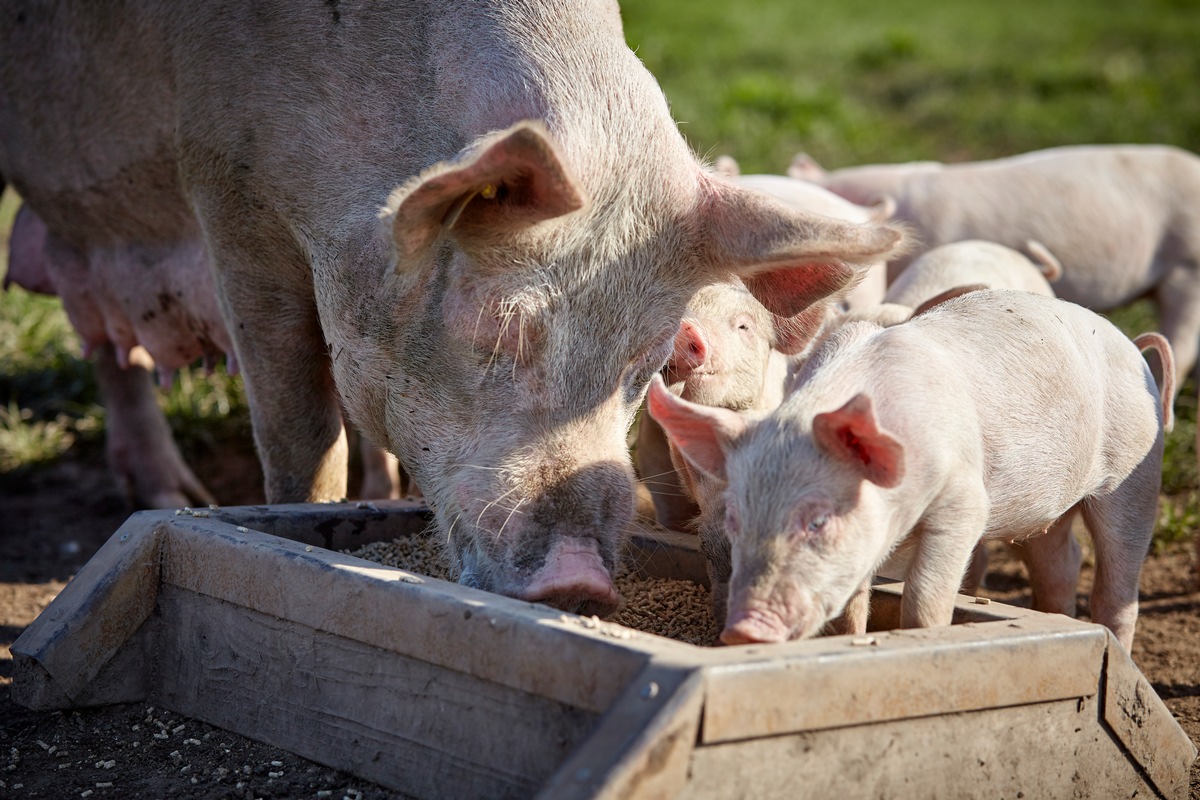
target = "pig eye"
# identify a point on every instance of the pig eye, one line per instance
(817, 524)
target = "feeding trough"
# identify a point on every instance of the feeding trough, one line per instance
(247, 618)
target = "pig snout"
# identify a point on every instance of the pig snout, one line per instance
(772, 620)
(690, 353)
(573, 578)
(755, 627)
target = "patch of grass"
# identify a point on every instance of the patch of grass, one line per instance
(920, 79)
(203, 409)
(26, 442)
(53, 402)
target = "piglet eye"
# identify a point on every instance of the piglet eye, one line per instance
(817, 524)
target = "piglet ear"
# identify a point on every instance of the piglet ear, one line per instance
(852, 435)
(789, 258)
(700, 433)
(793, 334)
(949, 294)
(804, 167)
(507, 180)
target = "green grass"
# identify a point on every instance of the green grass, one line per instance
(856, 82)
(49, 401)
(848, 82)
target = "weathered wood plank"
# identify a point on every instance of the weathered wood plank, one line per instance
(642, 746)
(425, 730)
(885, 608)
(58, 657)
(1141, 721)
(578, 662)
(1045, 751)
(333, 526)
(840, 681)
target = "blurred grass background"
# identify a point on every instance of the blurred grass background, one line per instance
(847, 82)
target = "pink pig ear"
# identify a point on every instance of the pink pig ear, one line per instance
(852, 435)
(507, 180)
(789, 258)
(804, 167)
(792, 334)
(702, 434)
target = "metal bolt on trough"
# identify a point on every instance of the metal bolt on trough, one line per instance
(246, 618)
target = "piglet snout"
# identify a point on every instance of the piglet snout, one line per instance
(690, 353)
(573, 578)
(754, 627)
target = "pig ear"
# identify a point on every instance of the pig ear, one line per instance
(727, 167)
(509, 179)
(884, 208)
(789, 258)
(852, 435)
(702, 434)
(1044, 260)
(805, 168)
(792, 334)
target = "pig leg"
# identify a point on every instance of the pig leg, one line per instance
(673, 508)
(853, 619)
(1179, 310)
(138, 443)
(977, 571)
(381, 473)
(945, 542)
(1121, 524)
(1052, 561)
(266, 288)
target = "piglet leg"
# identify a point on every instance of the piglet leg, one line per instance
(1122, 525)
(1053, 560)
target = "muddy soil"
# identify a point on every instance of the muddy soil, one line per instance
(53, 520)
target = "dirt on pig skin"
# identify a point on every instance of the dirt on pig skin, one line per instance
(53, 520)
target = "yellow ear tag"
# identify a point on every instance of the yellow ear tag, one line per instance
(488, 192)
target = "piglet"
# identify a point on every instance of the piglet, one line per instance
(729, 352)
(1124, 219)
(993, 415)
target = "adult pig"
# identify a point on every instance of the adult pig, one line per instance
(992, 415)
(180, 322)
(543, 226)
(1123, 219)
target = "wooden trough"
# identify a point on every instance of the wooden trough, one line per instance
(245, 618)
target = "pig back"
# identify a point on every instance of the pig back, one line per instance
(1065, 403)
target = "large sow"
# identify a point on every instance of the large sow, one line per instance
(473, 224)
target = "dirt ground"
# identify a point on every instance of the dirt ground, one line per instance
(53, 520)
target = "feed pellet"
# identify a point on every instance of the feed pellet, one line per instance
(676, 609)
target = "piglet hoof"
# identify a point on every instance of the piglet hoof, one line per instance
(574, 579)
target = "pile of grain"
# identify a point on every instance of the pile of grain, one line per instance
(676, 609)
